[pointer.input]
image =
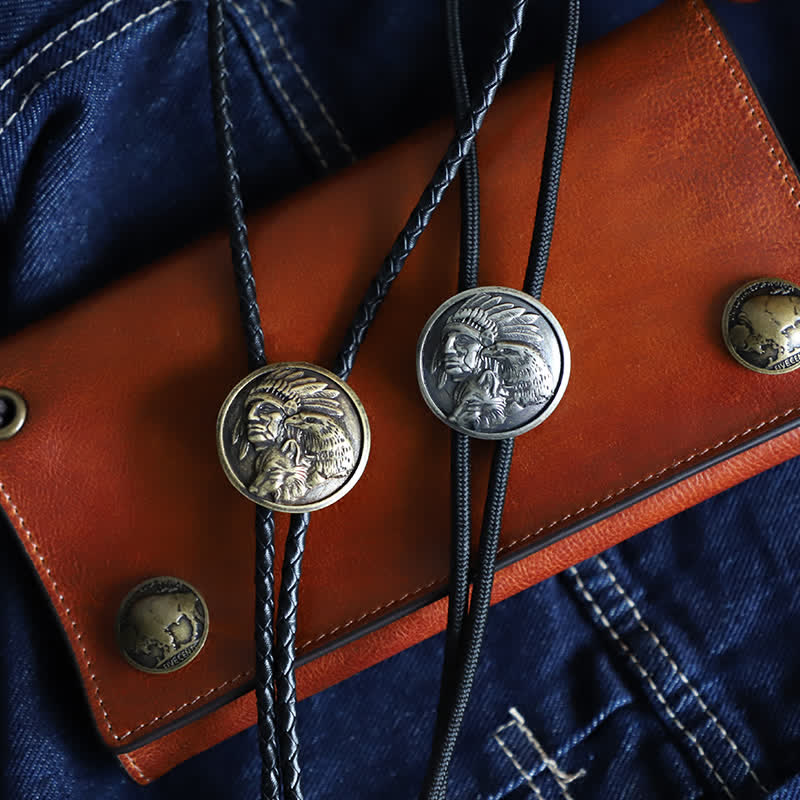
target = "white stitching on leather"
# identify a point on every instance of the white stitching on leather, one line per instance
(746, 99)
(367, 614)
(311, 90)
(650, 682)
(187, 704)
(79, 636)
(75, 25)
(62, 602)
(384, 606)
(279, 86)
(131, 761)
(513, 759)
(70, 61)
(679, 672)
(563, 779)
(355, 620)
(649, 477)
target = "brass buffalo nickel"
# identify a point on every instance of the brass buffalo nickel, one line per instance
(492, 362)
(761, 326)
(162, 625)
(293, 437)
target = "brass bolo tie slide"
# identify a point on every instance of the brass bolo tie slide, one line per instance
(294, 437)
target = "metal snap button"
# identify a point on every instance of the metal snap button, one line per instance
(162, 625)
(13, 413)
(761, 326)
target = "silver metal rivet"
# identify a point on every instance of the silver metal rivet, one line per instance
(13, 413)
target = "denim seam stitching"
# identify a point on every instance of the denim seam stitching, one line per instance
(650, 681)
(75, 25)
(751, 109)
(679, 672)
(74, 60)
(311, 90)
(513, 759)
(563, 779)
(280, 87)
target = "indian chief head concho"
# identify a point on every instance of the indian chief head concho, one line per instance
(293, 422)
(489, 351)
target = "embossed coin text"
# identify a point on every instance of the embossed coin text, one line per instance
(162, 625)
(293, 437)
(492, 362)
(761, 326)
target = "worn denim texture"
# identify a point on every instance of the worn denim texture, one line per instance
(667, 668)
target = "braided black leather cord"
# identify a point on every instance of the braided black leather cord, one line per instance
(265, 610)
(286, 635)
(553, 154)
(435, 787)
(251, 322)
(460, 447)
(430, 199)
(447, 730)
(223, 129)
(470, 249)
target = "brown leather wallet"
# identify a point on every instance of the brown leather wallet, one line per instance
(675, 191)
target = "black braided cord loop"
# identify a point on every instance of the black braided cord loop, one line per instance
(544, 224)
(449, 722)
(286, 634)
(435, 786)
(240, 249)
(251, 322)
(460, 446)
(265, 612)
(430, 199)
(285, 770)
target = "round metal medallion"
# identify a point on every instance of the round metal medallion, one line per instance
(162, 625)
(492, 362)
(293, 437)
(761, 326)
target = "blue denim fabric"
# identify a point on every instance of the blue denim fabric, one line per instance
(667, 668)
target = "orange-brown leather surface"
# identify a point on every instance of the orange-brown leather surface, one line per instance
(154, 759)
(675, 191)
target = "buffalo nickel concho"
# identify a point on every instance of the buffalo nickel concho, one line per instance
(162, 625)
(492, 362)
(293, 437)
(761, 326)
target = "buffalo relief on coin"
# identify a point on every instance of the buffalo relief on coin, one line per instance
(761, 326)
(492, 362)
(293, 437)
(162, 625)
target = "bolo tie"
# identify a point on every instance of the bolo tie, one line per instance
(492, 363)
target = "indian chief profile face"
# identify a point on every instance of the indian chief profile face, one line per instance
(489, 352)
(294, 423)
(264, 422)
(461, 351)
